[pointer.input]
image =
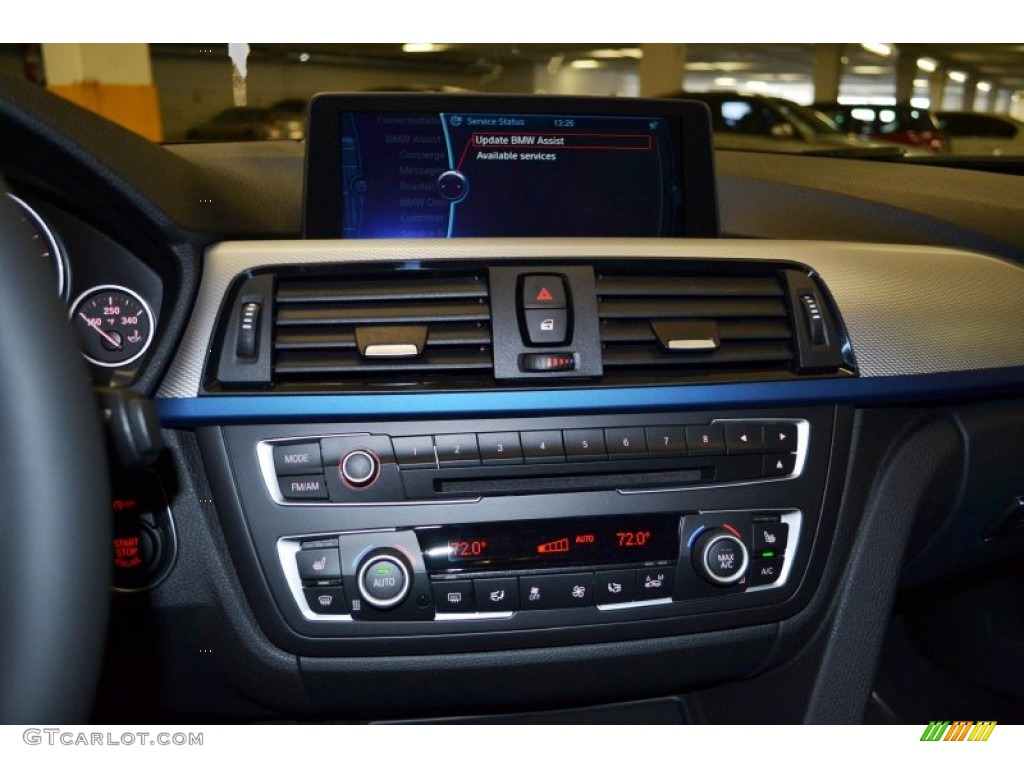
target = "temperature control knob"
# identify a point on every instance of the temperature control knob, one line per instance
(383, 579)
(720, 557)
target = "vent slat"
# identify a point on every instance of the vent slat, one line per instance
(690, 308)
(318, 362)
(649, 357)
(397, 289)
(638, 330)
(620, 285)
(379, 313)
(447, 335)
(316, 321)
(748, 311)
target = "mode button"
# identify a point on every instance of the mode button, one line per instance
(301, 459)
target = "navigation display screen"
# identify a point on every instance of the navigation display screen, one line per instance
(430, 166)
(486, 175)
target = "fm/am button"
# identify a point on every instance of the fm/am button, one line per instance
(303, 487)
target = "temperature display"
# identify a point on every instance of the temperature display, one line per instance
(583, 541)
(633, 538)
(458, 550)
(115, 325)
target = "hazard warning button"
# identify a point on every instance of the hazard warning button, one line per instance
(543, 292)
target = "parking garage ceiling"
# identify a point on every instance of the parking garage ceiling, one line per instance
(999, 62)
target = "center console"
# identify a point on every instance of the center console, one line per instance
(499, 533)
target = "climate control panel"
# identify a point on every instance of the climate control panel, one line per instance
(486, 572)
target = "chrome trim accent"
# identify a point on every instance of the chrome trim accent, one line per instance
(63, 265)
(473, 616)
(636, 604)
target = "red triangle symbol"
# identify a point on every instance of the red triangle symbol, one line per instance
(545, 295)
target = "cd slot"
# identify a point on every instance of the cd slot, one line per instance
(569, 483)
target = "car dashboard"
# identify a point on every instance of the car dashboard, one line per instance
(686, 480)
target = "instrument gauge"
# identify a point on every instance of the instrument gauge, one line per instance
(115, 325)
(46, 246)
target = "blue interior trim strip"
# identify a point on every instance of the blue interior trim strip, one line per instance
(229, 409)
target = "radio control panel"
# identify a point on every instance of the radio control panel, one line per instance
(376, 468)
(446, 535)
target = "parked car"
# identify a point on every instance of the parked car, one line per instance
(251, 124)
(979, 133)
(768, 124)
(905, 125)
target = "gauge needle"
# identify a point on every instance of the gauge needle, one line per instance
(110, 339)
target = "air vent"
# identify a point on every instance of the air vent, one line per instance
(675, 324)
(399, 329)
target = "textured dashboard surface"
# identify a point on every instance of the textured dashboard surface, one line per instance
(908, 309)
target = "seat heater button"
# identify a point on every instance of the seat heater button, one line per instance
(770, 537)
(321, 564)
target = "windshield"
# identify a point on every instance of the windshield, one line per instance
(797, 97)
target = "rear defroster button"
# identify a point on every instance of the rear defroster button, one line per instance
(359, 468)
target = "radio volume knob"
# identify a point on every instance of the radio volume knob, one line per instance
(359, 468)
(383, 580)
(720, 557)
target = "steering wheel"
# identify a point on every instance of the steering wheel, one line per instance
(55, 520)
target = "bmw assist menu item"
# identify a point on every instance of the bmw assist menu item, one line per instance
(444, 167)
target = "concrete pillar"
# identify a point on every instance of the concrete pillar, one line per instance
(970, 93)
(828, 70)
(937, 88)
(1000, 100)
(906, 71)
(115, 81)
(662, 68)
